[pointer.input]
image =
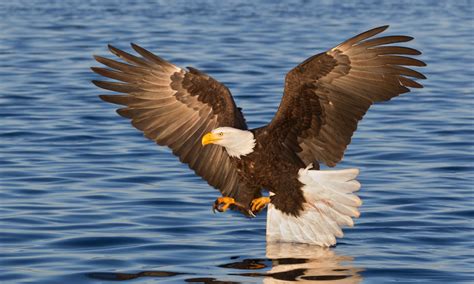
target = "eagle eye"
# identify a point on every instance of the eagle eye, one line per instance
(221, 134)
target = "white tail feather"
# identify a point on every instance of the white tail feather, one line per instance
(330, 204)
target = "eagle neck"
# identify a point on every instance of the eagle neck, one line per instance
(242, 146)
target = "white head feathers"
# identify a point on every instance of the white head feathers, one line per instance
(236, 142)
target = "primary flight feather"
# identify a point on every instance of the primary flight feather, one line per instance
(324, 98)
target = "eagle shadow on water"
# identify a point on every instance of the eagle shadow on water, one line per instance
(324, 98)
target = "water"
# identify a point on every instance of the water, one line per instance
(86, 199)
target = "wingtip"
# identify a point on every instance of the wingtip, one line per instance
(361, 37)
(142, 51)
(97, 57)
(102, 84)
(136, 47)
(97, 83)
(114, 50)
(95, 69)
(104, 97)
(379, 29)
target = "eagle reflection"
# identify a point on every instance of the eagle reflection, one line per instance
(301, 263)
(288, 262)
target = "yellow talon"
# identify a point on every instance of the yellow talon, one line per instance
(259, 203)
(222, 204)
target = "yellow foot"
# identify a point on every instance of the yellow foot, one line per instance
(259, 203)
(222, 204)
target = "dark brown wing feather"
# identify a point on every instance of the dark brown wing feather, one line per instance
(176, 108)
(327, 94)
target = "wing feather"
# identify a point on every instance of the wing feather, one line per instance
(176, 108)
(360, 37)
(346, 81)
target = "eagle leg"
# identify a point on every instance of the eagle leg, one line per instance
(259, 203)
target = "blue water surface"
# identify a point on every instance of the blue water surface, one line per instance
(85, 198)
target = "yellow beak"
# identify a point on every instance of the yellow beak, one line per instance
(210, 138)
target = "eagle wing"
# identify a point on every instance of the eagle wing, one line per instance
(176, 108)
(326, 95)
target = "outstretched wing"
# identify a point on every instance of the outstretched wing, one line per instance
(327, 94)
(176, 108)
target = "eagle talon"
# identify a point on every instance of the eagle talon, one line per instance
(251, 214)
(222, 204)
(259, 203)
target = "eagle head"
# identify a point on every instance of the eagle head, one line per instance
(237, 142)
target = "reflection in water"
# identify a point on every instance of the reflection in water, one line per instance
(301, 263)
(286, 261)
(307, 263)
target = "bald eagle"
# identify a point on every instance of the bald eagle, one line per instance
(324, 98)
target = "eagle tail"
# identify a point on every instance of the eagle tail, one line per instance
(330, 204)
